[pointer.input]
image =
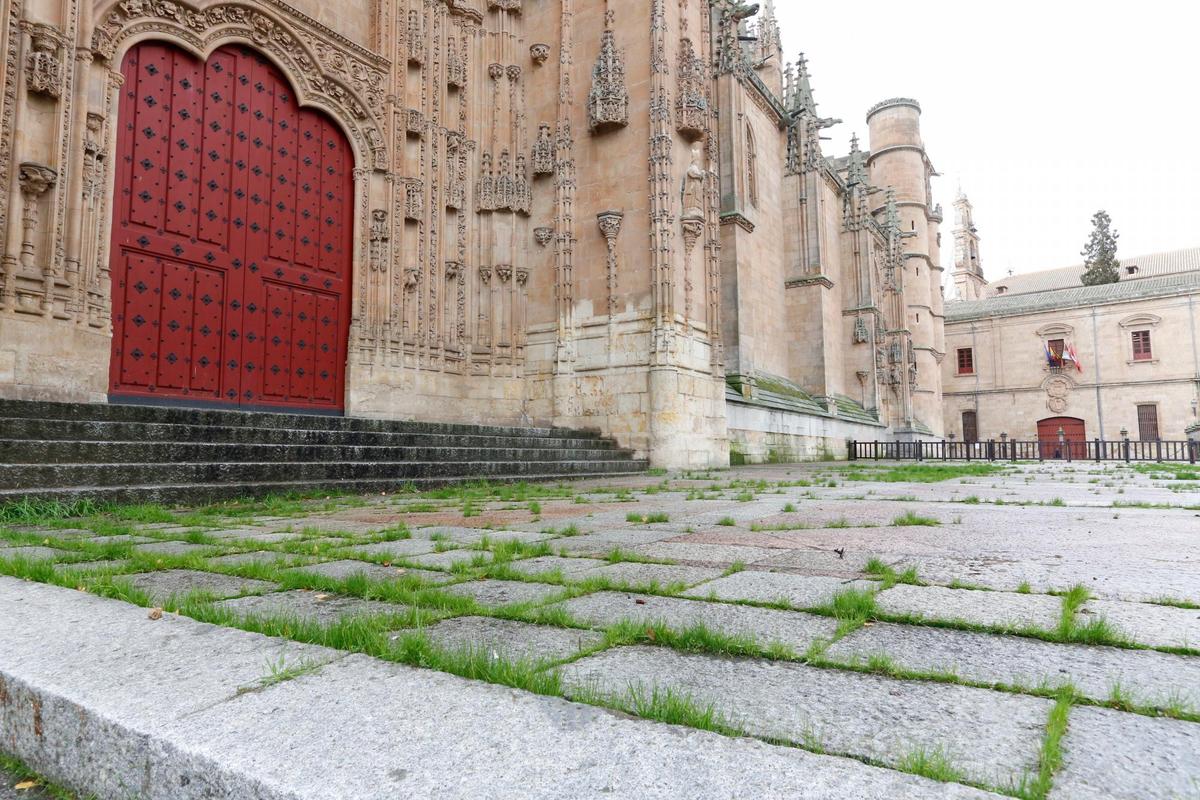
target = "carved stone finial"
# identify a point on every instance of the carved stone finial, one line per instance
(691, 104)
(608, 100)
(539, 53)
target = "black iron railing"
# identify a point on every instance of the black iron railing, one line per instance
(1033, 450)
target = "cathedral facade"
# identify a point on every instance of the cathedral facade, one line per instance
(611, 215)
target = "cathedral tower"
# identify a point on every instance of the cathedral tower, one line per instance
(898, 162)
(969, 282)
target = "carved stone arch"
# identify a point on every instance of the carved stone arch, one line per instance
(1054, 329)
(1142, 320)
(310, 56)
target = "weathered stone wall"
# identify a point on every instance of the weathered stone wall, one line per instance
(759, 434)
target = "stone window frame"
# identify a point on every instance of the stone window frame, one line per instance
(1049, 333)
(1133, 325)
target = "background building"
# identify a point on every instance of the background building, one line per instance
(1039, 351)
(611, 215)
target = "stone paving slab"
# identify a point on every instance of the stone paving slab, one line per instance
(799, 591)
(253, 557)
(35, 552)
(171, 548)
(308, 605)
(1146, 676)
(333, 526)
(1110, 755)
(544, 564)
(449, 558)
(92, 566)
(401, 548)
(177, 583)
(121, 538)
(331, 735)
(259, 537)
(722, 554)
(990, 736)
(795, 629)
(1146, 623)
(511, 640)
(462, 535)
(348, 568)
(604, 541)
(999, 609)
(62, 534)
(635, 573)
(492, 592)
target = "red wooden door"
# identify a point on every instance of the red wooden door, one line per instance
(232, 235)
(1074, 435)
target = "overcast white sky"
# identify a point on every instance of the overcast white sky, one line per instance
(1043, 112)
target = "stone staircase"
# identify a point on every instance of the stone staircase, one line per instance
(144, 454)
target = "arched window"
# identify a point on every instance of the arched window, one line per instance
(751, 168)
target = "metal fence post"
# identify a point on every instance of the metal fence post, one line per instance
(1097, 449)
(918, 443)
(1158, 448)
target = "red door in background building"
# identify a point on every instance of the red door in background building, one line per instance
(232, 235)
(1074, 437)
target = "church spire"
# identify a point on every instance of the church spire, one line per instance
(856, 169)
(802, 101)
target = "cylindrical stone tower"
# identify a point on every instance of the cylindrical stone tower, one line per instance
(898, 161)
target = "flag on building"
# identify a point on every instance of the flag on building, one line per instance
(1071, 356)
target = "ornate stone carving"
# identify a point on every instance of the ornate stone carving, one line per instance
(44, 66)
(861, 334)
(416, 40)
(514, 72)
(610, 228)
(35, 180)
(412, 276)
(485, 275)
(414, 121)
(378, 258)
(495, 71)
(608, 100)
(456, 65)
(543, 235)
(506, 5)
(504, 272)
(347, 79)
(693, 183)
(691, 101)
(539, 53)
(543, 151)
(453, 270)
(486, 188)
(522, 276)
(1058, 389)
(414, 199)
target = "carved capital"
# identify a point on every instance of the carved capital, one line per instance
(495, 71)
(485, 275)
(693, 229)
(35, 179)
(610, 223)
(543, 235)
(522, 275)
(453, 270)
(504, 272)
(539, 53)
(514, 72)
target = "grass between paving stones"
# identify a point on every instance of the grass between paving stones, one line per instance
(910, 518)
(17, 769)
(887, 574)
(918, 473)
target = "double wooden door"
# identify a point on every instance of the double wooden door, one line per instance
(232, 235)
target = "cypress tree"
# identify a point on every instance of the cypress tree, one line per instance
(1100, 253)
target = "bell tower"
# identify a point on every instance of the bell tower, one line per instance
(969, 282)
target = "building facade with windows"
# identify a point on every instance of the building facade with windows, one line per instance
(1032, 354)
(609, 215)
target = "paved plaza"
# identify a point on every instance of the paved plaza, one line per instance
(850, 630)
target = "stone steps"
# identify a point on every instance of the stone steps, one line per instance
(130, 453)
